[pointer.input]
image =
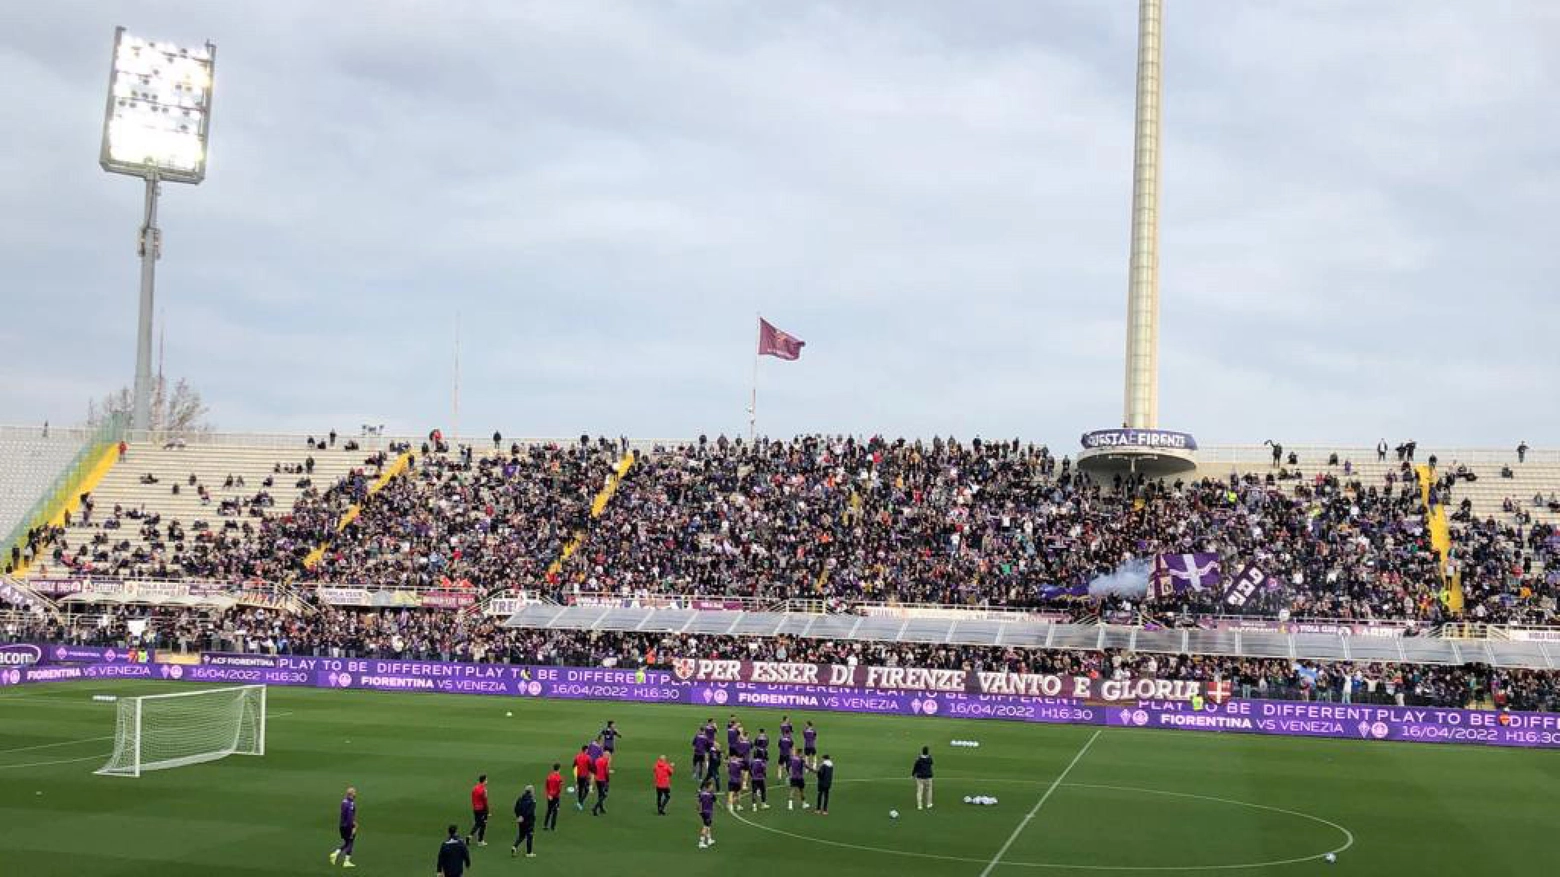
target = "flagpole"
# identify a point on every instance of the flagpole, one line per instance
(753, 400)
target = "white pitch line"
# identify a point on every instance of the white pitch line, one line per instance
(1024, 823)
(53, 745)
(100, 756)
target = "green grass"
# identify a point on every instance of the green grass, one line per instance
(1150, 799)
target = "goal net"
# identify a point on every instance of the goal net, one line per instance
(159, 731)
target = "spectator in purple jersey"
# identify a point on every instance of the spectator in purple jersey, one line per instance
(701, 751)
(798, 771)
(707, 814)
(348, 825)
(733, 783)
(758, 774)
(810, 744)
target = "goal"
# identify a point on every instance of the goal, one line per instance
(160, 731)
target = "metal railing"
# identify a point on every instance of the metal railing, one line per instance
(1311, 456)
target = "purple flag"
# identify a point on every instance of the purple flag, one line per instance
(1178, 573)
(1251, 581)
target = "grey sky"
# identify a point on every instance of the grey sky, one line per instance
(1357, 205)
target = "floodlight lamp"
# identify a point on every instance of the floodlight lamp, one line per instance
(159, 109)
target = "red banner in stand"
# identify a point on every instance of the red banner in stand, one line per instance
(773, 342)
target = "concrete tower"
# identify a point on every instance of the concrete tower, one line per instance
(1140, 446)
(1141, 409)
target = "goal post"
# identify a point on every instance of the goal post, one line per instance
(161, 731)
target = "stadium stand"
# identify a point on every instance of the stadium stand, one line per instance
(199, 509)
(831, 518)
(29, 463)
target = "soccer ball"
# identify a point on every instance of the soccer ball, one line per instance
(508, 714)
(968, 799)
(1331, 857)
(893, 814)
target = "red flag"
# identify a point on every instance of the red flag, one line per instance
(773, 342)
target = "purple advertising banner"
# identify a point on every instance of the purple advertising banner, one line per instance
(54, 653)
(1283, 718)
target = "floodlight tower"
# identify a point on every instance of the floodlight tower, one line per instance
(155, 127)
(1142, 387)
(1140, 445)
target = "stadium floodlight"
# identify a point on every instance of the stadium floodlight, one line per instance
(155, 127)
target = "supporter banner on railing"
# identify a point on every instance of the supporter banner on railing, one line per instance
(18, 596)
(927, 679)
(50, 587)
(1285, 718)
(959, 613)
(133, 590)
(661, 601)
(506, 606)
(393, 598)
(1339, 628)
(1534, 634)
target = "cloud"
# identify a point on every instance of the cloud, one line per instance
(936, 198)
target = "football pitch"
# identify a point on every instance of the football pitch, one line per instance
(1070, 800)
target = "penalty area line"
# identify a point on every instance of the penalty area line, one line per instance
(1028, 817)
(98, 757)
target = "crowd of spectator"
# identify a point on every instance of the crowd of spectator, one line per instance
(995, 523)
(837, 518)
(450, 636)
(489, 521)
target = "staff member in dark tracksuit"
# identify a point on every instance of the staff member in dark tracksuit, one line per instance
(454, 857)
(922, 771)
(525, 822)
(825, 772)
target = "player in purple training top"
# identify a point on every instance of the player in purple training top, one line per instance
(609, 737)
(733, 731)
(758, 772)
(762, 740)
(810, 744)
(785, 726)
(701, 751)
(786, 746)
(798, 771)
(348, 829)
(709, 729)
(707, 815)
(733, 783)
(594, 749)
